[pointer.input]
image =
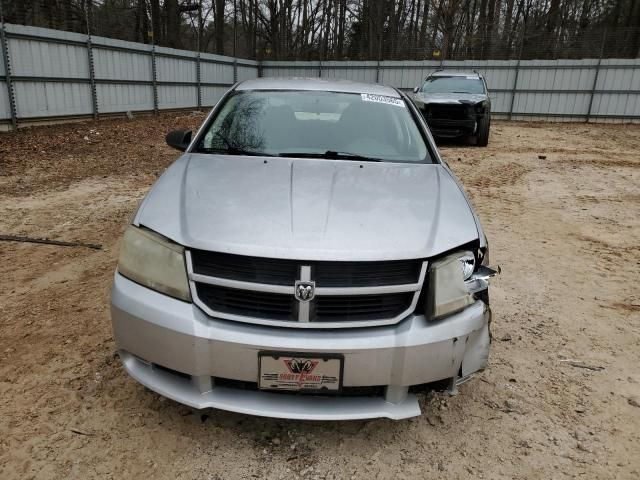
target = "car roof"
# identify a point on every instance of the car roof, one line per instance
(317, 84)
(446, 73)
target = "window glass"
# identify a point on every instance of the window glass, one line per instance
(314, 122)
(457, 84)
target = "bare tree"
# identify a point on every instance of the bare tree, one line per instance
(357, 29)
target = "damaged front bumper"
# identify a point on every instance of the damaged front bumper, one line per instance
(448, 128)
(175, 349)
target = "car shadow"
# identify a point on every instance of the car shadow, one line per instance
(455, 142)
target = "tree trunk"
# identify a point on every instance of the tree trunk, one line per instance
(341, 28)
(218, 18)
(482, 30)
(327, 30)
(423, 29)
(633, 23)
(156, 25)
(172, 14)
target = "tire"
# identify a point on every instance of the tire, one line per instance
(482, 138)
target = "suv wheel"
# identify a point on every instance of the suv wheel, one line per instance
(482, 138)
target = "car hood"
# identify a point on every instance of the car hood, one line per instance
(457, 98)
(309, 209)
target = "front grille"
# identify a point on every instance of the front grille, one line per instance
(362, 307)
(255, 289)
(447, 112)
(366, 274)
(249, 303)
(285, 272)
(246, 269)
(328, 308)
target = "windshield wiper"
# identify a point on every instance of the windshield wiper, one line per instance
(331, 155)
(232, 149)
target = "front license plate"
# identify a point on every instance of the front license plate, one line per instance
(300, 372)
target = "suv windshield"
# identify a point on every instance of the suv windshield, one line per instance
(316, 124)
(454, 84)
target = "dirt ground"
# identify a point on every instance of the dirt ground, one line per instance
(561, 398)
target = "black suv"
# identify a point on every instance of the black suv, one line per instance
(455, 105)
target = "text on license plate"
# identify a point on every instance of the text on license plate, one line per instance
(300, 373)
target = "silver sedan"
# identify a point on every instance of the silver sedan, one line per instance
(309, 256)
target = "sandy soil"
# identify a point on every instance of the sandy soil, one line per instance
(565, 229)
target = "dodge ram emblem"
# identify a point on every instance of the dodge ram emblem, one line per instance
(305, 291)
(300, 365)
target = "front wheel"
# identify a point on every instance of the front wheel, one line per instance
(482, 138)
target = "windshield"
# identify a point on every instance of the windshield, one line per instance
(456, 84)
(316, 124)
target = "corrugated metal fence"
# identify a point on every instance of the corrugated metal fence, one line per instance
(48, 74)
(577, 90)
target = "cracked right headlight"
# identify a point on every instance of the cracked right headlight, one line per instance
(448, 292)
(456, 281)
(154, 262)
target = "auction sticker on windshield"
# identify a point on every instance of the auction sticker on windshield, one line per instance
(308, 373)
(369, 97)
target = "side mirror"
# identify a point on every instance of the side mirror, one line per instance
(416, 89)
(179, 139)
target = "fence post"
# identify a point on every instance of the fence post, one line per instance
(319, 68)
(154, 73)
(597, 74)
(7, 71)
(92, 74)
(199, 79)
(154, 81)
(514, 90)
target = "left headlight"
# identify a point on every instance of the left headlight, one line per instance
(453, 282)
(153, 261)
